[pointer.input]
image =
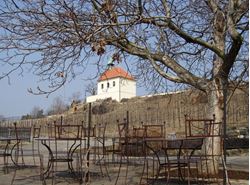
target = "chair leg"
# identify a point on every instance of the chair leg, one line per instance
(157, 174)
(127, 161)
(225, 170)
(98, 160)
(33, 152)
(23, 163)
(188, 173)
(105, 166)
(119, 170)
(86, 177)
(20, 168)
(144, 165)
(14, 176)
(5, 163)
(168, 177)
(42, 169)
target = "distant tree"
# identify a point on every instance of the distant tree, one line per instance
(91, 88)
(58, 106)
(37, 112)
(76, 97)
(27, 116)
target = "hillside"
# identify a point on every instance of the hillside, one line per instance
(169, 108)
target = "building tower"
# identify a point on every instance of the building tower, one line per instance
(114, 83)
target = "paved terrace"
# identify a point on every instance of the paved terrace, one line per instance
(30, 176)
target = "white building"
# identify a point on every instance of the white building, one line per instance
(114, 83)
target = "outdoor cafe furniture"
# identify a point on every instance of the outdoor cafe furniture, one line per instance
(7, 134)
(84, 145)
(130, 146)
(188, 157)
(199, 160)
(36, 131)
(170, 156)
(24, 134)
(100, 148)
(94, 150)
(154, 135)
(184, 154)
(64, 134)
(16, 136)
(123, 144)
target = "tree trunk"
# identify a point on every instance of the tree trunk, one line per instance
(212, 146)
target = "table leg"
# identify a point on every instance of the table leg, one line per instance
(51, 158)
(15, 162)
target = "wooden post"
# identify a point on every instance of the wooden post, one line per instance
(88, 141)
(224, 130)
(127, 117)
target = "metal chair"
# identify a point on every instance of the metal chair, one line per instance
(100, 148)
(36, 130)
(126, 147)
(95, 151)
(139, 135)
(6, 133)
(155, 142)
(24, 134)
(154, 130)
(198, 127)
(204, 159)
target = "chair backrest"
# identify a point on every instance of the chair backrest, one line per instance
(7, 132)
(68, 131)
(122, 129)
(154, 130)
(202, 127)
(23, 133)
(101, 129)
(50, 127)
(139, 132)
(91, 132)
(36, 130)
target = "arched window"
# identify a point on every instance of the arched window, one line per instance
(113, 83)
(102, 86)
(108, 85)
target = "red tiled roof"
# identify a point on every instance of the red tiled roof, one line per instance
(115, 72)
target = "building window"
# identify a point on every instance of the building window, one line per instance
(108, 85)
(102, 86)
(113, 83)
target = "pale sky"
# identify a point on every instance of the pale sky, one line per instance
(17, 101)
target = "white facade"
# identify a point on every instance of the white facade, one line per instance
(115, 88)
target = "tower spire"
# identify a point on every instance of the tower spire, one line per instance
(110, 63)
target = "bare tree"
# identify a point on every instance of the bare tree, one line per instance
(199, 43)
(58, 106)
(76, 97)
(91, 88)
(36, 112)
